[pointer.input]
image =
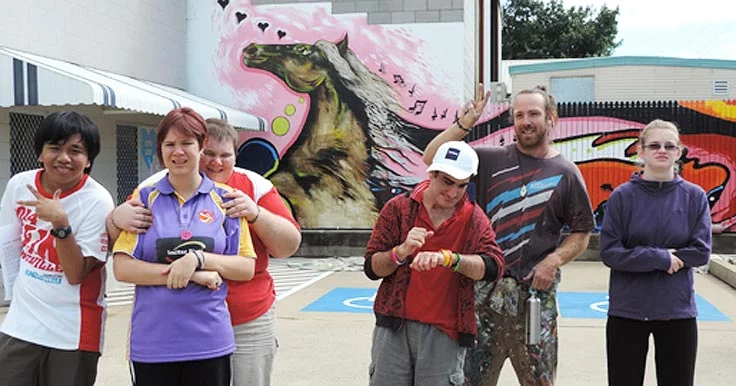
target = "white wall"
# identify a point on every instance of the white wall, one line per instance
(640, 83)
(141, 38)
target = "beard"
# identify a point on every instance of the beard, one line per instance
(534, 140)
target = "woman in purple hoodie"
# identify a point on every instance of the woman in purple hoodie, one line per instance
(656, 229)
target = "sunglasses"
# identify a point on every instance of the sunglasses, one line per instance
(656, 146)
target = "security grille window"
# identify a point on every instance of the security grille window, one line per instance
(127, 149)
(22, 130)
(720, 87)
(573, 89)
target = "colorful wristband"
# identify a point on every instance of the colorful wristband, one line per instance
(447, 255)
(200, 258)
(456, 265)
(395, 257)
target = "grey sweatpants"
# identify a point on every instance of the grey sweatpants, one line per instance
(255, 350)
(417, 354)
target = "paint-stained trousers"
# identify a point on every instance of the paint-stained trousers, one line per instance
(501, 316)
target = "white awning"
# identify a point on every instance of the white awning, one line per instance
(32, 80)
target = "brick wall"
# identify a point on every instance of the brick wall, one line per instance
(393, 11)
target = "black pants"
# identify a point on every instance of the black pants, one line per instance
(206, 372)
(675, 347)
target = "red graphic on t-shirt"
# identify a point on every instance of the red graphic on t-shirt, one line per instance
(104, 242)
(206, 216)
(39, 249)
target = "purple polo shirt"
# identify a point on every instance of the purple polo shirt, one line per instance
(173, 325)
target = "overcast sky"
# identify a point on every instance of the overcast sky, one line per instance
(676, 28)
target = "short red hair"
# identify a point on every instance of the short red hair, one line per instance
(187, 122)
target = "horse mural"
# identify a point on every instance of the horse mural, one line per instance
(355, 151)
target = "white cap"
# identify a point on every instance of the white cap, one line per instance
(455, 158)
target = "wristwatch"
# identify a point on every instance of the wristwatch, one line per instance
(61, 232)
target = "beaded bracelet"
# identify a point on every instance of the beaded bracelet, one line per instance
(460, 126)
(258, 213)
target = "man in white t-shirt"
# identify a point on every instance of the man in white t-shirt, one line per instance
(52, 334)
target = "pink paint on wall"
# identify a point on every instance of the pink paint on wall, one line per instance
(392, 52)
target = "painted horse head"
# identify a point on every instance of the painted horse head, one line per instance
(303, 67)
(354, 151)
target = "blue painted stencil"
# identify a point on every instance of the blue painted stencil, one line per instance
(589, 305)
(594, 305)
(358, 300)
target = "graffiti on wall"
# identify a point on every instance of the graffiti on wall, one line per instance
(603, 145)
(351, 106)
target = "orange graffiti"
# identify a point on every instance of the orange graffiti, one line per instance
(725, 110)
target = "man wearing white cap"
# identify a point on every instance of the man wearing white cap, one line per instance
(530, 192)
(428, 247)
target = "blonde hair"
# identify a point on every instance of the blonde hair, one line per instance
(658, 124)
(664, 125)
(220, 130)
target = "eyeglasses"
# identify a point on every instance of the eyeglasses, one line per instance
(656, 146)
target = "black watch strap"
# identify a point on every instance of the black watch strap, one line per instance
(61, 232)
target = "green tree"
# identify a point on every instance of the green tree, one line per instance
(535, 29)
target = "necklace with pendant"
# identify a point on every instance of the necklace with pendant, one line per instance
(523, 190)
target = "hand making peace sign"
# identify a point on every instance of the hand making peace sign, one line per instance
(47, 209)
(472, 110)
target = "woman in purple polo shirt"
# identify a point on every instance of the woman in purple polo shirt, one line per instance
(180, 329)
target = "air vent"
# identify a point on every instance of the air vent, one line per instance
(720, 87)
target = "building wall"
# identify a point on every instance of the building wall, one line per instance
(642, 83)
(379, 78)
(140, 38)
(104, 169)
(393, 11)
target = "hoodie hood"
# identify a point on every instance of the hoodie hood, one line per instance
(655, 187)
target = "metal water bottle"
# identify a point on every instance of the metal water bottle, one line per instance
(533, 319)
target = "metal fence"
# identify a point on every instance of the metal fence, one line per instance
(601, 138)
(22, 130)
(127, 160)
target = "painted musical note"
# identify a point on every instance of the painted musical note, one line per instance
(382, 68)
(399, 79)
(411, 92)
(444, 114)
(434, 114)
(418, 106)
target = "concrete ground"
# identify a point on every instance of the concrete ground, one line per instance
(332, 349)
